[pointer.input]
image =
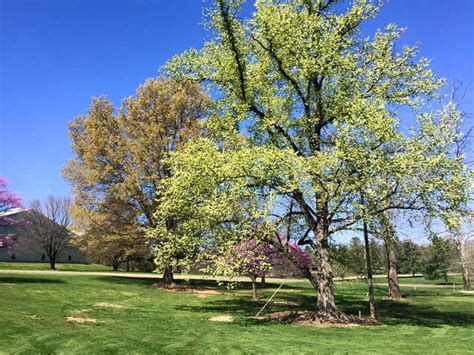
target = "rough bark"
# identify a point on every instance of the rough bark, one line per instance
(369, 272)
(168, 275)
(392, 273)
(389, 237)
(324, 280)
(460, 246)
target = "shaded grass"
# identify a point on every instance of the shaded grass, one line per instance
(34, 311)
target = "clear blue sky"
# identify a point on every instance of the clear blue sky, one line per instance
(56, 55)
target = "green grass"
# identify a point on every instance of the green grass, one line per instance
(59, 266)
(34, 310)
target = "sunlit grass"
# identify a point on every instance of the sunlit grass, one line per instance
(133, 316)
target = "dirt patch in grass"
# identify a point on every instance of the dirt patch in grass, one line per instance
(282, 290)
(317, 319)
(467, 292)
(286, 303)
(224, 319)
(403, 299)
(109, 305)
(202, 292)
(80, 320)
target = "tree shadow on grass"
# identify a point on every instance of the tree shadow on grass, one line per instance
(348, 301)
(148, 282)
(193, 283)
(393, 313)
(28, 280)
(136, 281)
(389, 312)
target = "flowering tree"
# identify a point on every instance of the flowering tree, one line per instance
(254, 258)
(8, 201)
(249, 258)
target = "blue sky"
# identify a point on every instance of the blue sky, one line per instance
(55, 55)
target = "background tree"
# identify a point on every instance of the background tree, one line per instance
(111, 239)
(456, 211)
(409, 258)
(49, 226)
(120, 156)
(356, 257)
(8, 201)
(377, 253)
(438, 264)
(388, 235)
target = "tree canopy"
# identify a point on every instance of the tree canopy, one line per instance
(308, 110)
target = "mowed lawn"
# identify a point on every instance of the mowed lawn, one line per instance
(59, 266)
(133, 316)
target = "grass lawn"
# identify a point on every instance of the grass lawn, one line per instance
(134, 317)
(59, 266)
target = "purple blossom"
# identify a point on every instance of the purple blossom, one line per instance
(8, 201)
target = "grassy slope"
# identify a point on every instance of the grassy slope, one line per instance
(33, 311)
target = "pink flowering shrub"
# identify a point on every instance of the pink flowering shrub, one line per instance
(8, 201)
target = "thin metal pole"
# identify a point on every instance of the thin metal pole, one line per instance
(274, 293)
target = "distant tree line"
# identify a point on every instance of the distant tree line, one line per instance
(434, 260)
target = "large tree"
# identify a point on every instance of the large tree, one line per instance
(318, 104)
(120, 156)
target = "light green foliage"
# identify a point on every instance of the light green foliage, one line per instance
(213, 208)
(318, 104)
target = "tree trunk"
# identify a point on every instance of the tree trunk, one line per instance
(263, 281)
(369, 272)
(324, 280)
(127, 265)
(460, 246)
(392, 273)
(115, 265)
(253, 277)
(52, 264)
(168, 275)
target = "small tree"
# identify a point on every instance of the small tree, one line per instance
(49, 225)
(109, 238)
(356, 257)
(8, 201)
(438, 264)
(249, 258)
(409, 258)
(254, 258)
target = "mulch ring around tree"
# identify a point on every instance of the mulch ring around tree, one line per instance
(317, 319)
(200, 291)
